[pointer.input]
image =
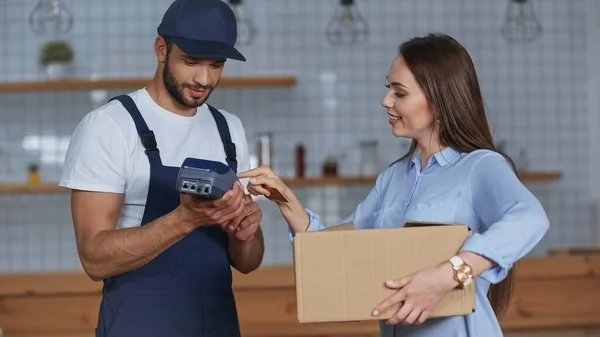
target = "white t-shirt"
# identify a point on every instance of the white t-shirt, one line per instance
(105, 153)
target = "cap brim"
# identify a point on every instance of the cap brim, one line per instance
(208, 49)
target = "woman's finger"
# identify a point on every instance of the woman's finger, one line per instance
(401, 315)
(391, 300)
(262, 170)
(412, 316)
(258, 190)
(422, 317)
(262, 180)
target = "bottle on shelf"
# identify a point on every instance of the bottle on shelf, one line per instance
(300, 161)
(522, 162)
(369, 158)
(265, 149)
(330, 166)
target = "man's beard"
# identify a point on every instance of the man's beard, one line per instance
(176, 89)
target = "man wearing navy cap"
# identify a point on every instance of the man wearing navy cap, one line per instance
(165, 257)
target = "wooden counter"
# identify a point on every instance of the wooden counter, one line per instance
(561, 291)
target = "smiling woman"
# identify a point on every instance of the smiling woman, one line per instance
(405, 110)
(453, 174)
(448, 94)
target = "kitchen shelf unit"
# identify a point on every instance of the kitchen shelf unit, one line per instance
(123, 83)
(575, 251)
(329, 181)
(304, 182)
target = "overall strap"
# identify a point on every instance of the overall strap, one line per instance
(230, 152)
(146, 135)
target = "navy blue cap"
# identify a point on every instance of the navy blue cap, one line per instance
(202, 28)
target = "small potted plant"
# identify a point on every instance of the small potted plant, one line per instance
(56, 57)
(34, 176)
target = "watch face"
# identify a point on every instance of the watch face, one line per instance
(463, 274)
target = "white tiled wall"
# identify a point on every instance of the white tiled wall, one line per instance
(593, 50)
(536, 97)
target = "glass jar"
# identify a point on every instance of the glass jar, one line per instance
(330, 166)
(369, 158)
(265, 149)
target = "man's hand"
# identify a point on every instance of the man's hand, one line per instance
(246, 242)
(199, 212)
(245, 226)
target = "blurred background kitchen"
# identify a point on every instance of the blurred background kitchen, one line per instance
(309, 97)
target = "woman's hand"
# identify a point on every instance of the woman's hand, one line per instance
(263, 181)
(420, 294)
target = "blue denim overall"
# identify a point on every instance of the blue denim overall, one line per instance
(185, 291)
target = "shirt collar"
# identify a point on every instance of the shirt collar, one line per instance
(443, 157)
(446, 156)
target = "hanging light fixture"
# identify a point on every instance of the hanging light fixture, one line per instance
(51, 17)
(347, 25)
(245, 25)
(520, 23)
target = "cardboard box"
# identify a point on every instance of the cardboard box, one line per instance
(340, 272)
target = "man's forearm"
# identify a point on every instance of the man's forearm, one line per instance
(247, 256)
(113, 252)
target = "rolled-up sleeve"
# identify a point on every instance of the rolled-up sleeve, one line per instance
(314, 224)
(512, 220)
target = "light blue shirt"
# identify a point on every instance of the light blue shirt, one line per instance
(479, 189)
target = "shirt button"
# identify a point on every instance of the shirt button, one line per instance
(406, 204)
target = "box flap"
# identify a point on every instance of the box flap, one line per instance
(348, 226)
(413, 223)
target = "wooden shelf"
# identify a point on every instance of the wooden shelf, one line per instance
(574, 251)
(306, 182)
(539, 176)
(329, 181)
(11, 188)
(124, 83)
(325, 181)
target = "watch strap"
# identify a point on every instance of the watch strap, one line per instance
(456, 261)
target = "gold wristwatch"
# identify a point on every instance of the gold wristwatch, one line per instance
(462, 271)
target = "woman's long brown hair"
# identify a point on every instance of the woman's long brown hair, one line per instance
(447, 76)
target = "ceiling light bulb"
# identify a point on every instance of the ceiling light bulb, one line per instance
(521, 24)
(51, 17)
(245, 25)
(347, 25)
